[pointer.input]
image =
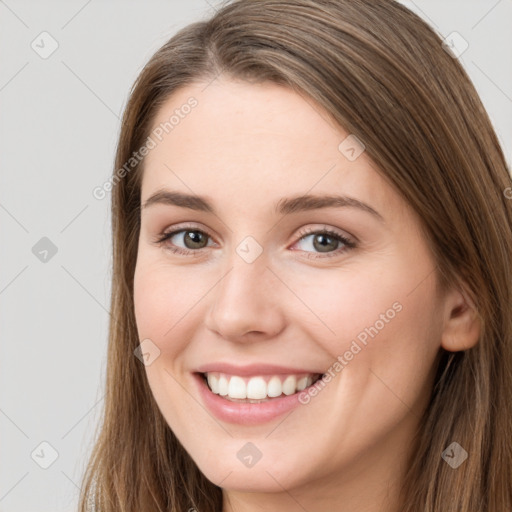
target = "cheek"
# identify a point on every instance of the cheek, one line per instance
(396, 341)
(162, 296)
(387, 320)
(150, 303)
(163, 303)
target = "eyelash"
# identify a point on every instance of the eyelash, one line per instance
(163, 237)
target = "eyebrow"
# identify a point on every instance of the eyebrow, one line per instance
(285, 205)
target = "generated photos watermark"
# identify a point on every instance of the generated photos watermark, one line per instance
(355, 348)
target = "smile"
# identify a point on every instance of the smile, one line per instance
(252, 411)
(257, 389)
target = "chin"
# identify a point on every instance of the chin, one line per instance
(268, 475)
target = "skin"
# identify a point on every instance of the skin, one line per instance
(245, 146)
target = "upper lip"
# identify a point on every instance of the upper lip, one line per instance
(252, 369)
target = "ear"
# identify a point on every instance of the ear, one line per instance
(462, 324)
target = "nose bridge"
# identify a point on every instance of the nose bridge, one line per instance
(246, 299)
(247, 271)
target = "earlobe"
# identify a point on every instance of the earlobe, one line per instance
(462, 324)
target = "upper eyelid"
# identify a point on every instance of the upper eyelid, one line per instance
(179, 229)
(303, 231)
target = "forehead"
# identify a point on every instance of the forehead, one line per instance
(254, 143)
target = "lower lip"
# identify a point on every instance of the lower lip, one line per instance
(245, 413)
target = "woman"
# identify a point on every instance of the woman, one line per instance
(311, 303)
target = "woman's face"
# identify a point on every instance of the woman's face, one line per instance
(258, 282)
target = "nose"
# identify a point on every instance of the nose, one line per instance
(247, 303)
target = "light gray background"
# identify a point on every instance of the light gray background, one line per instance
(58, 127)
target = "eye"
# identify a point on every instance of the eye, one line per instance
(192, 238)
(325, 241)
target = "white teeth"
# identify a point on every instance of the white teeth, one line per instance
(290, 385)
(275, 388)
(237, 388)
(257, 388)
(302, 383)
(223, 385)
(213, 382)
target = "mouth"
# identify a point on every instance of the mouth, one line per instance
(258, 388)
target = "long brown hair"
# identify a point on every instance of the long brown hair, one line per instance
(382, 74)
